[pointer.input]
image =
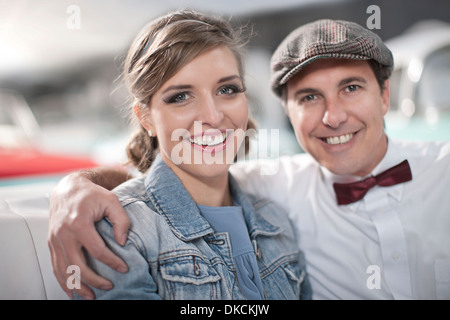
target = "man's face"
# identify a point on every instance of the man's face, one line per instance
(336, 108)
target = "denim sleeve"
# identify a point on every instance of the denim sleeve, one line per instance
(137, 283)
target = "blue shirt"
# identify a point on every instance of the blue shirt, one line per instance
(172, 252)
(231, 221)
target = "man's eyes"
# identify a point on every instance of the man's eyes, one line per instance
(352, 88)
(308, 98)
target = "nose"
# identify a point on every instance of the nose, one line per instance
(210, 112)
(335, 114)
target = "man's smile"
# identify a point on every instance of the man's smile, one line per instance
(339, 139)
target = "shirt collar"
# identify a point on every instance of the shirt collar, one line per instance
(390, 159)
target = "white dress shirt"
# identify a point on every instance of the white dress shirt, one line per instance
(393, 244)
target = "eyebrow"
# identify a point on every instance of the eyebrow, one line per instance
(180, 87)
(305, 91)
(188, 86)
(351, 79)
(225, 79)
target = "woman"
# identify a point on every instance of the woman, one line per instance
(193, 233)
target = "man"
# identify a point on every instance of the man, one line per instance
(386, 239)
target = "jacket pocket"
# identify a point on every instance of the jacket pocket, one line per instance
(285, 278)
(295, 276)
(186, 275)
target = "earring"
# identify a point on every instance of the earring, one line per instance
(150, 133)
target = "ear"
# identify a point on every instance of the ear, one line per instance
(285, 108)
(284, 100)
(385, 97)
(144, 118)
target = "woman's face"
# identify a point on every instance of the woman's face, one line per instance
(199, 116)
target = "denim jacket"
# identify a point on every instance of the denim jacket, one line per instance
(172, 252)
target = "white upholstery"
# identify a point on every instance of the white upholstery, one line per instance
(25, 266)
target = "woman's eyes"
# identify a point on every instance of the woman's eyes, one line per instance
(177, 97)
(229, 90)
(180, 97)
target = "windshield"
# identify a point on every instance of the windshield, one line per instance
(433, 89)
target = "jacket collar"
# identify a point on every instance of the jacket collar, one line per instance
(256, 223)
(172, 201)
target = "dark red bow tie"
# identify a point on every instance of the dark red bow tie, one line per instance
(351, 192)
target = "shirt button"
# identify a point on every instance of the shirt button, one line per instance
(395, 255)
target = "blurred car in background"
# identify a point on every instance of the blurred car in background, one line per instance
(22, 160)
(28, 173)
(420, 83)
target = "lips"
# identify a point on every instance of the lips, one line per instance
(335, 140)
(210, 141)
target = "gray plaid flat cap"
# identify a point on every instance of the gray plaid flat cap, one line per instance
(326, 39)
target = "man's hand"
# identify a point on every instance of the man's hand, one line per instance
(76, 204)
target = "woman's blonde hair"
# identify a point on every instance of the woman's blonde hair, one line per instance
(159, 51)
